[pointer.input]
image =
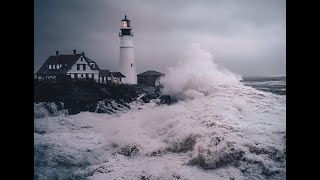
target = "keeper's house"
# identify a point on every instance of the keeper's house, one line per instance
(76, 66)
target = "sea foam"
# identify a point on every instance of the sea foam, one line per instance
(220, 129)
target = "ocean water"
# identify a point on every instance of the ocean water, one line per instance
(276, 84)
(222, 127)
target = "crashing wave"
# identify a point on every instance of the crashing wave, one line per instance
(222, 130)
(49, 109)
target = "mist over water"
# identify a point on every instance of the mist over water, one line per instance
(195, 73)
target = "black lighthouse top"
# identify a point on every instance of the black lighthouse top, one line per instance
(125, 27)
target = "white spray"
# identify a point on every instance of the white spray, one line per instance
(196, 72)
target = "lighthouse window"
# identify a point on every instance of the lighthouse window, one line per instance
(124, 24)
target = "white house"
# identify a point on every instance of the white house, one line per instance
(105, 76)
(76, 66)
(117, 78)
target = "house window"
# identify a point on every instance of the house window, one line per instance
(93, 76)
(78, 66)
(50, 66)
(72, 75)
(54, 66)
(120, 79)
(84, 67)
(102, 79)
(109, 78)
(81, 76)
(81, 59)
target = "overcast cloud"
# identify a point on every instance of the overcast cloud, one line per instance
(246, 36)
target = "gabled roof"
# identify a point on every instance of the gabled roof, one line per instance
(96, 67)
(151, 73)
(104, 73)
(67, 62)
(117, 74)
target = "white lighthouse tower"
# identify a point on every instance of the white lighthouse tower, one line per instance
(127, 60)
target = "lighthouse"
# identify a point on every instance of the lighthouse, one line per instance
(127, 60)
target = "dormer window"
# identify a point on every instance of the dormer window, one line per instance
(92, 65)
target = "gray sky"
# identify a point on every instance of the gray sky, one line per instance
(246, 36)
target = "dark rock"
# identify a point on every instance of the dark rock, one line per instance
(77, 96)
(165, 99)
(145, 99)
(152, 96)
(129, 150)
